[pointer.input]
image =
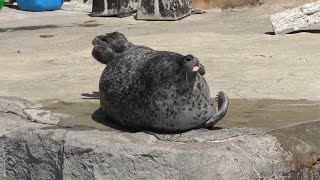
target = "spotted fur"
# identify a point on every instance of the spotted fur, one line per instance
(152, 90)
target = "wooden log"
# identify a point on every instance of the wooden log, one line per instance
(296, 19)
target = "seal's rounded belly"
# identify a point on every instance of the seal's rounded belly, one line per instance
(171, 109)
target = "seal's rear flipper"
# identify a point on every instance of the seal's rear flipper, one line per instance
(107, 46)
(223, 103)
(103, 54)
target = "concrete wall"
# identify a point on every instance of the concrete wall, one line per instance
(209, 4)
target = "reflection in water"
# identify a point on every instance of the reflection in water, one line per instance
(260, 113)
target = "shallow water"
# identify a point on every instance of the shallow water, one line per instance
(82, 113)
(260, 113)
(269, 113)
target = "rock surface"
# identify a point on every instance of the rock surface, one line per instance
(163, 9)
(78, 5)
(114, 7)
(36, 151)
(296, 19)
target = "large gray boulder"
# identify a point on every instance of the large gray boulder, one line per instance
(31, 150)
(163, 9)
(114, 7)
(77, 5)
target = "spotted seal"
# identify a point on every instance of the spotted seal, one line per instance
(145, 89)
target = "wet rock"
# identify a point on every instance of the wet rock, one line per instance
(296, 19)
(114, 7)
(77, 5)
(15, 105)
(163, 9)
(45, 116)
(303, 142)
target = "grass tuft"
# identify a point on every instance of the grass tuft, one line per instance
(3, 30)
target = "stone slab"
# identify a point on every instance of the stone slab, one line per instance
(36, 151)
(296, 19)
(15, 105)
(163, 9)
(77, 5)
(114, 7)
(45, 116)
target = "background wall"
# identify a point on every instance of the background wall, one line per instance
(208, 4)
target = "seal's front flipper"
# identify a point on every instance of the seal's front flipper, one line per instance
(223, 103)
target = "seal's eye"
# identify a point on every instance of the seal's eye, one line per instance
(188, 59)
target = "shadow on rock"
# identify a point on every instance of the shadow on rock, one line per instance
(100, 117)
(312, 31)
(12, 6)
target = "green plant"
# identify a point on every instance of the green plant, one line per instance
(3, 30)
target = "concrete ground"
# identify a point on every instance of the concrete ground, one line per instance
(241, 57)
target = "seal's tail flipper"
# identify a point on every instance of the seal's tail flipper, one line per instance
(223, 103)
(107, 46)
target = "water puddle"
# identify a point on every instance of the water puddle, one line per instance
(261, 113)
(82, 113)
(269, 113)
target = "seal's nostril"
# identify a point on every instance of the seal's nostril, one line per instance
(188, 59)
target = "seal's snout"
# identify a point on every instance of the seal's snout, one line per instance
(192, 64)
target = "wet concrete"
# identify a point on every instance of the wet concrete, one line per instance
(89, 25)
(259, 113)
(30, 28)
(24, 28)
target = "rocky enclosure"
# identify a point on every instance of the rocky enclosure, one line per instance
(37, 151)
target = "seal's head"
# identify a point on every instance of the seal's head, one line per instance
(190, 68)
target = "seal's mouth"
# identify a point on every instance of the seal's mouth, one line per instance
(195, 69)
(191, 67)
